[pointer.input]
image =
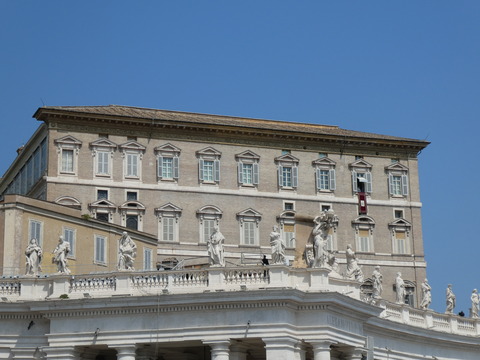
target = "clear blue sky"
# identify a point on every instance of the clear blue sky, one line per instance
(403, 68)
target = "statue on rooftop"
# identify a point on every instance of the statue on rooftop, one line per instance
(400, 289)
(475, 300)
(322, 257)
(451, 300)
(354, 272)
(33, 254)
(377, 278)
(60, 255)
(127, 252)
(426, 295)
(215, 248)
(278, 247)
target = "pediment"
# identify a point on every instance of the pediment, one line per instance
(361, 163)
(209, 209)
(103, 142)
(396, 167)
(400, 223)
(249, 213)
(247, 155)
(209, 151)
(68, 140)
(167, 148)
(132, 145)
(132, 205)
(68, 201)
(364, 220)
(168, 207)
(287, 158)
(102, 203)
(325, 161)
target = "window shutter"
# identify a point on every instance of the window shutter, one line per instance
(200, 169)
(405, 185)
(333, 182)
(368, 177)
(294, 176)
(280, 175)
(216, 166)
(256, 174)
(318, 175)
(240, 173)
(160, 165)
(176, 167)
(390, 184)
(354, 181)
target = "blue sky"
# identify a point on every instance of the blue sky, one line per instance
(402, 68)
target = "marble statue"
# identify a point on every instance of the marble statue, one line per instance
(215, 248)
(33, 254)
(400, 289)
(127, 252)
(278, 247)
(475, 300)
(353, 269)
(377, 278)
(426, 295)
(60, 256)
(322, 225)
(451, 300)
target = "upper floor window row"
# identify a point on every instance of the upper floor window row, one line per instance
(209, 166)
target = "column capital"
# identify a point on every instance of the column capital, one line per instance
(60, 352)
(125, 352)
(219, 349)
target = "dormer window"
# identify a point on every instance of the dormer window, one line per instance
(287, 169)
(397, 180)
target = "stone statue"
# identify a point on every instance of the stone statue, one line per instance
(33, 254)
(426, 295)
(278, 248)
(60, 256)
(127, 252)
(451, 300)
(400, 289)
(377, 278)
(322, 225)
(215, 248)
(475, 300)
(353, 270)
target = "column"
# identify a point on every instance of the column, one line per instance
(219, 349)
(300, 351)
(60, 352)
(321, 350)
(353, 354)
(281, 348)
(238, 351)
(125, 352)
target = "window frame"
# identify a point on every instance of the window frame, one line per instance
(397, 171)
(132, 150)
(252, 218)
(327, 165)
(168, 151)
(361, 224)
(107, 148)
(96, 259)
(283, 162)
(168, 211)
(40, 231)
(72, 242)
(208, 213)
(244, 159)
(404, 227)
(132, 208)
(149, 266)
(361, 169)
(70, 144)
(212, 156)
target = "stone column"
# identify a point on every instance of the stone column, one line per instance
(219, 349)
(300, 351)
(321, 350)
(281, 348)
(60, 352)
(125, 352)
(353, 354)
(238, 351)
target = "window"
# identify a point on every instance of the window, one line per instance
(400, 235)
(287, 228)
(100, 250)
(67, 149)
(361, 176)
(102, 209)
(132, 153)
(363, 226)
(287, 166)
(168, 217)
(132, 195)
(288, 205)
(249, 220)
(209, 216)
(209, 166)
(102, 194)
(168, 159)
(132, 214)
(36, 231)
(325, 174)
(285, 152)
(325, 207)
(247, 168)
(398, 214)
(322, 155)
(69, 236)
(147, 259)
(397, 179)
(102, 151)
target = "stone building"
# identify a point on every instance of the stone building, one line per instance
(176, 175)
